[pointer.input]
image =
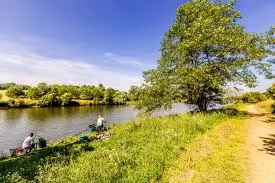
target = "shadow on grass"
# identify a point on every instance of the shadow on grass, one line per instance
(28, 165)
(268, 144)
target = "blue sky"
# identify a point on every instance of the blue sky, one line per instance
(94, 41)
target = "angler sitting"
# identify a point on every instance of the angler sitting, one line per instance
(99, 124)
(28, 143)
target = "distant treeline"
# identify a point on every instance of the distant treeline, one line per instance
(252, 97)
(44, 95)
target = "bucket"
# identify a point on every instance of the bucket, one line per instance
(82, 138)
(92, 127)
(42, 142)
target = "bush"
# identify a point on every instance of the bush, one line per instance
(14, 91)
(48, 100)
(66, 98)
(270, 93)
(34, 93)
(17, 103)
(253, 97)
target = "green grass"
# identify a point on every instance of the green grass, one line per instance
(216, 157)
(138, 151)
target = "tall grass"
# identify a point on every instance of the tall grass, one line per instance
(265, 106)
(138, 151)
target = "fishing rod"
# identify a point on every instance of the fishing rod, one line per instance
(35, 131)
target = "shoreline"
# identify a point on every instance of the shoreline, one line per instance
(4, 105)
(158, 140)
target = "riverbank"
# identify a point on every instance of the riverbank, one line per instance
(28, 103)
(138, 151)
(24, 102)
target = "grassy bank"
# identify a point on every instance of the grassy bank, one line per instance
(138, 151)
(216, 157)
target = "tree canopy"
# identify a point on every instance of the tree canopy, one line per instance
(205, 49)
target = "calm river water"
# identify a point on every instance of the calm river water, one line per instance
(54, 123)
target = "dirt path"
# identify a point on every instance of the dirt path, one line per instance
(261, 147)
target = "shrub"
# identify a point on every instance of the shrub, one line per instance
(14, 91)
(66, 98)
(253, 97)
(48, 100)
(270, 93)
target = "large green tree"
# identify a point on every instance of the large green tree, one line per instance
(205, 49)
(108, 96)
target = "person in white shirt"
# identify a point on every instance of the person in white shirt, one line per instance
(99, 124)
(28, 143)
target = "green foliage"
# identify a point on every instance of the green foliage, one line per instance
(34, 93)
(205, 49)
(119, 98)
(48, 100)
(270, 93)
(98, 93)
(7, 85)
(43, 88)
(16, 103)
(66, 98)
(15, 91)
(56, 95)
(134, 93)
(108, 96)
(86, 93)
(253, 97)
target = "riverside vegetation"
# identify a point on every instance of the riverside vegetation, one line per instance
(44, 95)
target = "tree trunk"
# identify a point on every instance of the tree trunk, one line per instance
(202, 105)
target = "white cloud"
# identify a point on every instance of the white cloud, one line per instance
(126, 60)
(24, 66)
